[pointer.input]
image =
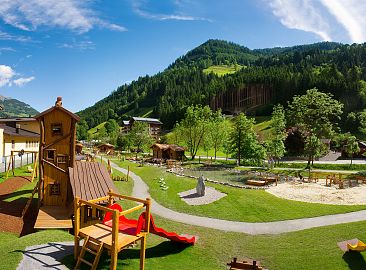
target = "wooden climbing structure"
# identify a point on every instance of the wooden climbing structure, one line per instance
(98, 236)
(61, 178)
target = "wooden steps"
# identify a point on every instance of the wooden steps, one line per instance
(93, 247)
(53, 217)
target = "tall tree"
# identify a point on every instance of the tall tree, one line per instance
(244, 143)
(139, 136)
(194, 127)
(276, 145)
(82, 130)
(315, 115)
(350, 145)
(218, 131)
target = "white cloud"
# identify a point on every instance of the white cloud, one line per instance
(301, 15)
(351, 15)
(6, 74)
(7, 36)
(80, 45)
(75, 15)
(8, 77)
(23, 81)
(139, 10)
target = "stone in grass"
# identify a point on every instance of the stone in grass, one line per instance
(200, 188)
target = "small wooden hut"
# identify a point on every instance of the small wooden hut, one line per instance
(167, 151)
(106, 148)
(79, 148)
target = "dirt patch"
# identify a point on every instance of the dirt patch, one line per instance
(320, 193)
(11, 212)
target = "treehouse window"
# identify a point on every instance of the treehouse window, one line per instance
(55, 189)
(61, 159)
(51, 154)
(56, 129)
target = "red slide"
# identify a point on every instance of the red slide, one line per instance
(133, 227)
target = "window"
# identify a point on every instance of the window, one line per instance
(12, 144)
(56, 129)
(61, 159)
(51, 154)
(55, 189)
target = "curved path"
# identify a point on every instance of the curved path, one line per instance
(141, 190)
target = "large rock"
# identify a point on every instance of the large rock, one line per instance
(200, 188)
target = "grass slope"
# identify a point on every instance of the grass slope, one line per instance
(244, 204)
(221, 70)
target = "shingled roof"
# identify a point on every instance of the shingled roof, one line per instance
(90, 180)
(11, 131)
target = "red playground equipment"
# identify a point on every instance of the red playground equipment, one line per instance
(134, 227)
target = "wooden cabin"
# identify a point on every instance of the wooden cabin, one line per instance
(79, 148)
(167, 151)
(56, 187)
(106, 148)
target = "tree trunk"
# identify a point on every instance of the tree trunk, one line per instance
(215, 153)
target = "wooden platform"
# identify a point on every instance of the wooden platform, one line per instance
(53, 217)
(103, 233)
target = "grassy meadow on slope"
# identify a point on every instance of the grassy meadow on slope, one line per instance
(221, 70)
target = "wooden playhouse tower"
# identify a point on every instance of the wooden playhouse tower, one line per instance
(56, 155)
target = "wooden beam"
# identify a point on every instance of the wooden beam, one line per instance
(53, 165)
(76, 227)
(56, 141)
(123, 213)
(115, 231)
(127, 197)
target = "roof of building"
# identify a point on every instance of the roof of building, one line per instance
(167, 146)
(147, 120)
(58, 107)
(90, 180)
(11, 131)
(18, 119)
(106, 144)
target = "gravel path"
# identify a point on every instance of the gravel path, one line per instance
(46, 256)
(140, 190)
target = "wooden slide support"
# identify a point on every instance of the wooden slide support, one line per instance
(103, 236)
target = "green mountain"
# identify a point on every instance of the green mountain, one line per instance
(280, 72)
(14, 108)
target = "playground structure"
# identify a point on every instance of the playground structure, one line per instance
(352, 245)
(245, 264)
(98, 236)
(61, 178)
(134, 227)
(20, 153)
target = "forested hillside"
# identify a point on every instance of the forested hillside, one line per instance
(331, 67)
(14, 108)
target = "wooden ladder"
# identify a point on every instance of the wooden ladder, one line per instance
(92, 246)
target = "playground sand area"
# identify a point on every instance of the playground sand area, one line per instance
(191, 197)
(319, 193)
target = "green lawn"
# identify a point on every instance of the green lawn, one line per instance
(22, 171)
(244, 204)
(308, 249)
(263, 127)
(222, 70)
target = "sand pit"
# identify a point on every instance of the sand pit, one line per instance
(319, 193)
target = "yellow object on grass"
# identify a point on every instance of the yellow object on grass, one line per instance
(360, 246)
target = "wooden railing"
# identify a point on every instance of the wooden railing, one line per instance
(95, 204)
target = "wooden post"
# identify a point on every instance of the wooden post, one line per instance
(114, 248)
(34, 173)
(110, 200)
(76, 227)
(128, 172)
(7, 171)
(12, 164)
(147, 229)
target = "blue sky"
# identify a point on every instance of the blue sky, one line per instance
(84, 49)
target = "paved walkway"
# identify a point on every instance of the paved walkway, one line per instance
(140, 189)
(46, 256)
